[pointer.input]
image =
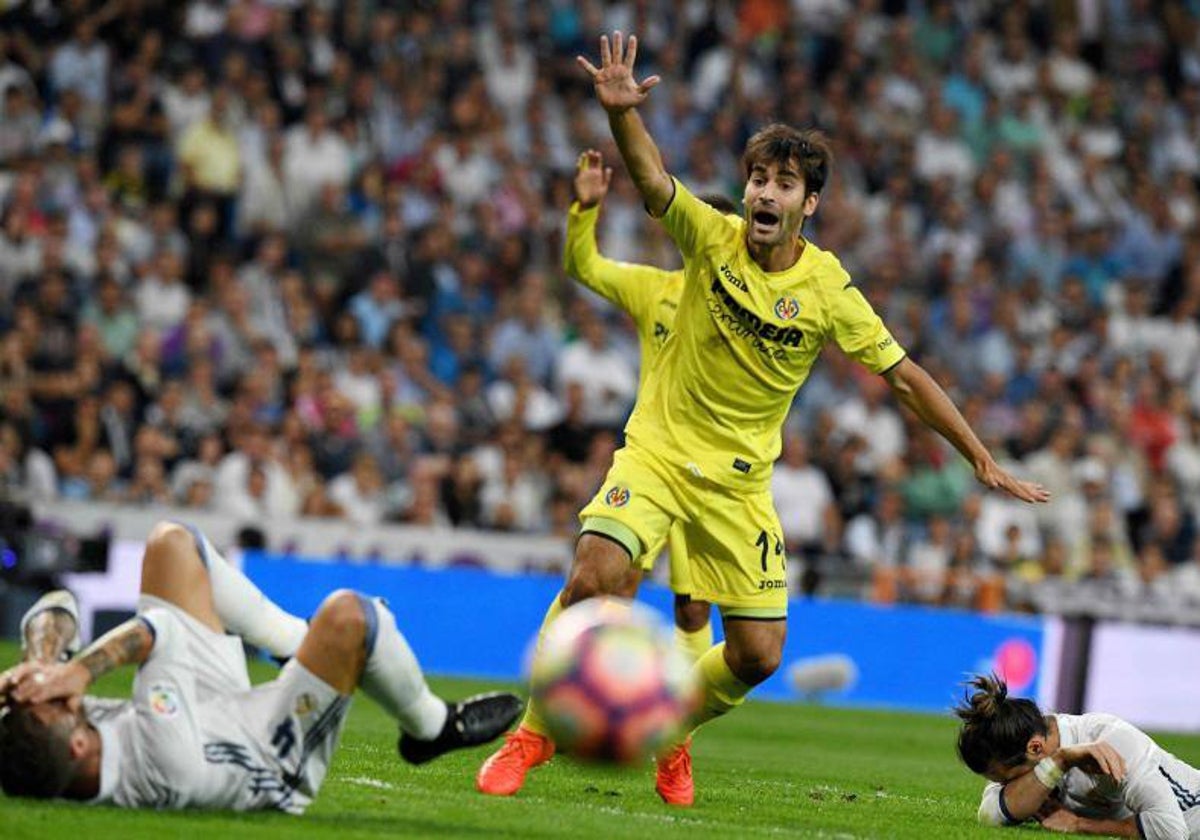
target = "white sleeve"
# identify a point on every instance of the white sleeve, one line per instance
(991, 808)
(1155, 809)
(164, 626)
(1146, 791)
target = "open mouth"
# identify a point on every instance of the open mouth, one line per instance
(764, 220)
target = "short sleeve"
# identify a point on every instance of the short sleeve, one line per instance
(861, 333)
(991, 807)
(164, 625)
(693, 224)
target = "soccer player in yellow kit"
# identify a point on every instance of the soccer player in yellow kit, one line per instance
(651, 297)
(758, 305)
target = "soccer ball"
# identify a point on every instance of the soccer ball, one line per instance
(609, 682)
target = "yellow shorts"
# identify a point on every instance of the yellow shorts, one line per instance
(733, 540)
(680, 579)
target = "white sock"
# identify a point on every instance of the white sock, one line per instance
(245, 610)
(393, 679)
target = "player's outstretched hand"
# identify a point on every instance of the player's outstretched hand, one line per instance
(1095, 757)
(991, 476)
(591, 178)
(40, 683)
(616, 88)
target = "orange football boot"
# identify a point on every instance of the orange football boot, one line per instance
(503, 774)
(673, 780)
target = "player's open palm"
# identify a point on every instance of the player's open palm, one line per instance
(592, 178)
(616, 87)
(990, 475)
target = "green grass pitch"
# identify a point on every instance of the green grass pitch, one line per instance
(768, 770)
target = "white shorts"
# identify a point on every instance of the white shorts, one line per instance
(262, 747)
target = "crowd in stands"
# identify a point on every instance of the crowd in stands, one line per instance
(277, 258)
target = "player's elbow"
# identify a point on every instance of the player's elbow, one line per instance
(657, 189)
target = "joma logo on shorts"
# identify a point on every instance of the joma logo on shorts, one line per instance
(776, 583)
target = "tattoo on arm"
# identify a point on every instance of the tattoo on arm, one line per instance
(128, 643)
(48, 634)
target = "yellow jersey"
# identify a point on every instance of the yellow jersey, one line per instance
(650, 295)
(742, 343)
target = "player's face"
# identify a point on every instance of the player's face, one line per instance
(777, 203)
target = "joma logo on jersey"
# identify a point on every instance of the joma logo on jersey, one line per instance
(617, 496)
(787, 308)
(752, 324)
(733, 279)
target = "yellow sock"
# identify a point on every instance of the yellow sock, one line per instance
(532, 719)
(721, 690)
(694, 644)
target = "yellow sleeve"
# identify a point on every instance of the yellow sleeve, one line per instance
(632, 287)
(861, 333)
(694, 225)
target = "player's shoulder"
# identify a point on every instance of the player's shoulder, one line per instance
(827, 269)
(713, 221)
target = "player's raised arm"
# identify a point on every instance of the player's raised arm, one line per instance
(918, 390)
(620, 94)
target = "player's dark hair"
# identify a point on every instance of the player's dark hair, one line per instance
(35, 756)
(781, 144)
(718, 202)
(996, 728)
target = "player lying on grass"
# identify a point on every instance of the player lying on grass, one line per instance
(1087, 774)
(196, 734)
(759, 303)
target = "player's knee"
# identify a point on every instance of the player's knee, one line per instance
(691, 616)
(170, 541)
(754, 664)
(601, 568)
(342, 616)
(581, 585)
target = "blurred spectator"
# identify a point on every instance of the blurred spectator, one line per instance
(609, 381)
(527, 332)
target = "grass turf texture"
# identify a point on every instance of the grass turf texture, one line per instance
(768, 770)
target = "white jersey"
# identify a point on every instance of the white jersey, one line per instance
(197, 735)
(1160, 792)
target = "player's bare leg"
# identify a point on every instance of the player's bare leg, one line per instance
(353, 641)
(173, 571)
(693, 627)
(750, 654)
(601, 567)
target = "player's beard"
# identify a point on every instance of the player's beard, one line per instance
(784, 230)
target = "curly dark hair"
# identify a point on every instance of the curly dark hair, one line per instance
(35, 754)
(996, 728)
